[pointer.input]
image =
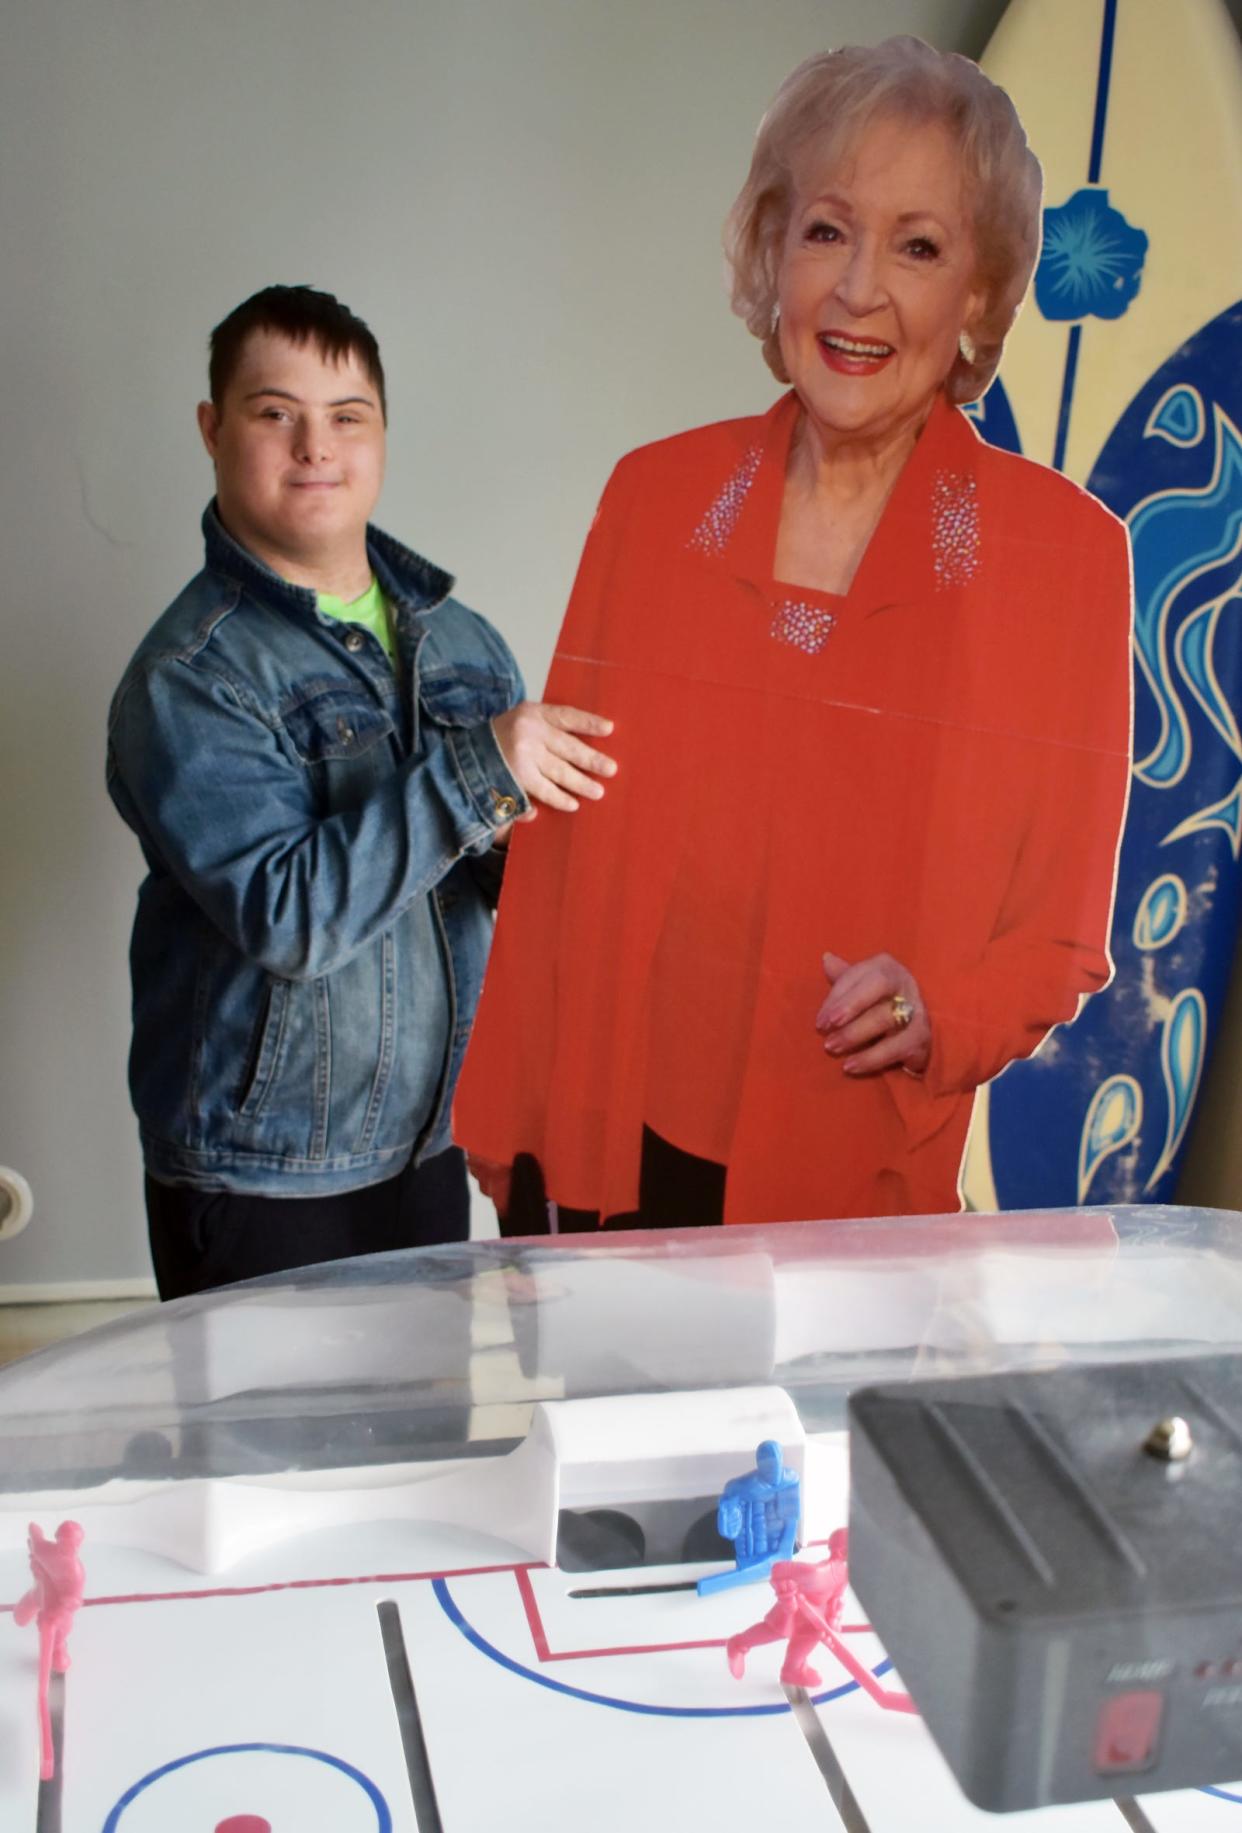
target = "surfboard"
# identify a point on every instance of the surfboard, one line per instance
(1124, 371)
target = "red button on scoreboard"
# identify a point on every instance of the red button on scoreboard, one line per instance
(1126, 1731)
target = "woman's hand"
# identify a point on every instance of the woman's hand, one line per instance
(495, 1181)
(874, 1016)
(541, 747)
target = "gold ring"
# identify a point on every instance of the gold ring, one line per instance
(902, 1010)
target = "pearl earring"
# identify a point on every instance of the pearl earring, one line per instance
(966, 347)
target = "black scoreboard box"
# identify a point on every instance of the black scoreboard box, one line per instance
(1053, 1561)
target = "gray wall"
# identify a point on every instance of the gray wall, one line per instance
(522, 196)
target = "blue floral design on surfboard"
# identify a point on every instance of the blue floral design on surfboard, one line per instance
(1162, 911)
(1103, 1112)
(1167, 537)
(1091, 263)
(1112, 1123)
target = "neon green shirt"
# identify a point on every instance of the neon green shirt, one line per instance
(371, 611)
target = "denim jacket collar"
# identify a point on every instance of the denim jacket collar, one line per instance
(407, 580)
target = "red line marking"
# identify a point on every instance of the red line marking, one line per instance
(544, 1652)
(526, 1591)
(538, 1636)
(639, 1648)
(290, 1584)
(534, 1620)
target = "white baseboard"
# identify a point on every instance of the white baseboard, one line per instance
(78, 1292)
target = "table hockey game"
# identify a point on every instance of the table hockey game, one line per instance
(411, 1543)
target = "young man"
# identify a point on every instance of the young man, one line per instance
(321, 753)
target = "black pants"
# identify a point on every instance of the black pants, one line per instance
(205, 1238)
(675, 1190)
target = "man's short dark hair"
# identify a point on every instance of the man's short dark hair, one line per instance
(301, 314)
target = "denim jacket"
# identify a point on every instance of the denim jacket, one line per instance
(311, 936)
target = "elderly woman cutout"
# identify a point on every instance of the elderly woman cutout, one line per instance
(870, 681)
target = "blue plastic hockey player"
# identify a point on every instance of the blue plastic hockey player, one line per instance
(759, 1514)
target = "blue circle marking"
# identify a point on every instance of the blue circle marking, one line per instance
(383, 1818)
(452, 1611)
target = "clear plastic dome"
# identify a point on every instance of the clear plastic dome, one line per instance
(441, 1353)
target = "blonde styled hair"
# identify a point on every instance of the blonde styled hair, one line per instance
(832, 98)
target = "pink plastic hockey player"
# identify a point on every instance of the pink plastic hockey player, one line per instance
(808, 1599)
(59, 1582)
(807, 1611)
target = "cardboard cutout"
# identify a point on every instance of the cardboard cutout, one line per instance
(912, 768)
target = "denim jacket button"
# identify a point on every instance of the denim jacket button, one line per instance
(345, 732)
(354, 641)
(503, 807)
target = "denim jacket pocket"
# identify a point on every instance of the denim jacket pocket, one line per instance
(335, 721)
(260, 1070)
(465, 695)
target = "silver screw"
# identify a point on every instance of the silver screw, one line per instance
(1169, 1440)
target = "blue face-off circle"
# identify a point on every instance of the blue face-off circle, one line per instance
(383, 1818)
(452, 1611)
(454, 1614)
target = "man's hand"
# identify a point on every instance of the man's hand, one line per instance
(861, 1019)
(549, 761)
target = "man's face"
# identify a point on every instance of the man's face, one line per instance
(298, 446)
